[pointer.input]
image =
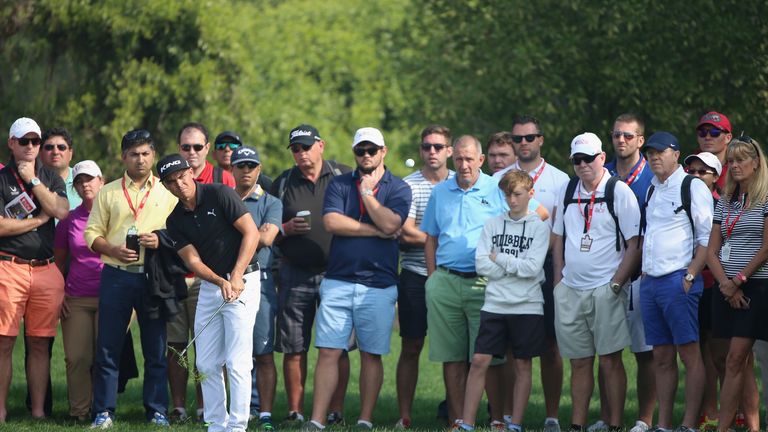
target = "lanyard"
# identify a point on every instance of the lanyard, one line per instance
(135, 211)
(541, 170)
(729, 228)
(21, 185)
(632, 177)
(360, 199)
(587, 215)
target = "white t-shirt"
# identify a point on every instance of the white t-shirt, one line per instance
(589, 269)
(547, 186)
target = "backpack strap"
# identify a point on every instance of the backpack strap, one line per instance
(644, 211)
(218, 175)
(333, 167)
(283, 182)
(610, 188)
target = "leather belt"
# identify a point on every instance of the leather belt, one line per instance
(129, 268)
(31, 263)
(251, 268)
(465, 275)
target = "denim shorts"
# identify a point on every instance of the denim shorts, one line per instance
(670, 315)
(346, 305)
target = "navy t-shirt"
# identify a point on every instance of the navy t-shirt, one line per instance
(370, 261)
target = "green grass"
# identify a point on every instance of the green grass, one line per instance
(130, 411)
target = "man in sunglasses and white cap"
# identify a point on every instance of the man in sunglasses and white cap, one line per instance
(364, 210)
(32, 288)
(595, 252)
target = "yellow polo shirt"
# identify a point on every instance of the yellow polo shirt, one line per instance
(112, 217)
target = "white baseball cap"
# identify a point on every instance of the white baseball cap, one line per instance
(87, 167)
(707, 159)
(23, 126)
(368, 134)
(586, 143)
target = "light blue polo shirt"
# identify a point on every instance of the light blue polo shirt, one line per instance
(456, 217)
(72, 196)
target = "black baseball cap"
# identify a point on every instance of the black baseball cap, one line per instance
(303, 134)
(228, 136)
(170, 164)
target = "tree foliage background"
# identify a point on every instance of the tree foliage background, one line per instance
(261, 67)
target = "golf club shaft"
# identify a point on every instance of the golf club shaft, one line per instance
(210, 320)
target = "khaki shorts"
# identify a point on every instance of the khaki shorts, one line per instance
(182, 325)
(589, 322)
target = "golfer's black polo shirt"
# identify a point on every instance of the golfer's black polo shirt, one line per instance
(209, 227)
(38, 243)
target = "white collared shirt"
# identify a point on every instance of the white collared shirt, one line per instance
(668, 245)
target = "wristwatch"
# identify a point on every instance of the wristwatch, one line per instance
(689, 277)
(35, 181)
(366, 191)
(615, 287)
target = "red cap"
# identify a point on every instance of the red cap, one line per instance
(715, 119)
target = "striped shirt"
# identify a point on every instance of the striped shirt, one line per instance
(412, 257)
(746, 236)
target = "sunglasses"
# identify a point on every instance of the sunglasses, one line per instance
(438, 147)
(517, 139)
(360, 151)
(50, 147)
(700, 172)
(27, 141)
(138, 134)
(301, 147)
(713, 132)
(187, 147)
(243, 165)
(232, 146)
(748, 140)
(577, 160)
(629, 136)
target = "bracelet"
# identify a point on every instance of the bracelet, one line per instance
(740, 276)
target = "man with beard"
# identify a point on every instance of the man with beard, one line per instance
(364, 210)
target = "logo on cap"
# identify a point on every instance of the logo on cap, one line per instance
(300, 132)
(169, 164)
(711, 117)
(246, 151)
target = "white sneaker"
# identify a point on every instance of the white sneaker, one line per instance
(551, 426)
(597, 426)
(640, 426)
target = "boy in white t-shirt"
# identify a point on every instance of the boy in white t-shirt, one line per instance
(510, 253)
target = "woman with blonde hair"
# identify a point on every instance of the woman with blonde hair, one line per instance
(738, 249)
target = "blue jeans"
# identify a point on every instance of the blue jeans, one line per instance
(120, 292)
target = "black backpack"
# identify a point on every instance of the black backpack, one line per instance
(610, 187)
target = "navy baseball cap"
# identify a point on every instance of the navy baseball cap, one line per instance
(170, 164)
(303, 134)
(228, 136)
(661, 141)
(244, 154)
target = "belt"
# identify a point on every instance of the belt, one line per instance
(31, 263)
(129, 268)
(251, 268)
(465, 275)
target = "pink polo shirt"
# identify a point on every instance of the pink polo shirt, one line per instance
(84, 266)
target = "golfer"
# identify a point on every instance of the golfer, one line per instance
(209, 223)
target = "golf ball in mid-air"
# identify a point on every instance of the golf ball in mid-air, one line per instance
(410, 163)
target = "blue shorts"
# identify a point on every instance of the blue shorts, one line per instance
(670, 316)
(264, 326)
(346, 305)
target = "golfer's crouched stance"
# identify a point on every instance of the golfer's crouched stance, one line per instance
(216, 237)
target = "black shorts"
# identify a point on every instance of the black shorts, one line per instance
(548, 289)
(751, 323)
(705, 308)
(411, 305)
(298, 297)
(522, 334)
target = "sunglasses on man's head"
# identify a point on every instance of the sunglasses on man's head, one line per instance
(27, 141)
(187, 147)
(629, 136)
(50, 147)
(577, 160)
(232, 146)
(361, 151)
(428, 146)
(138, 134)
(517, 139)
(296, 147)
(713, 132)
(243, 165)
